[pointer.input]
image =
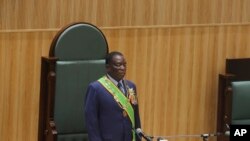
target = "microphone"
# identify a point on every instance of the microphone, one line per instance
(141, 134)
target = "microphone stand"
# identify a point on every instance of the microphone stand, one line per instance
(205, 137)
(148, 138)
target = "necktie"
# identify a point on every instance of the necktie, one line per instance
(119, 85)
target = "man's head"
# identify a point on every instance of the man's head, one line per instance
(116, 65)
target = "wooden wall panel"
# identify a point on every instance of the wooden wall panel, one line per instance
(175, 51)
(43, 14)
(176, 71)
(19, 84)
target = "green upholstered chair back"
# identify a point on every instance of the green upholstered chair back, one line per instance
(81, 49)
(241, 102)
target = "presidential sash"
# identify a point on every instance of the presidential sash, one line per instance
(120, 98)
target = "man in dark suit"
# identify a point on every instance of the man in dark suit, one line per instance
(111, 107)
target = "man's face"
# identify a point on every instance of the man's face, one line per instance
(117, 67)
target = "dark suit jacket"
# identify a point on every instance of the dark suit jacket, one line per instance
(104, 117)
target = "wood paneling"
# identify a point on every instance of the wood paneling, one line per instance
(19, 84)
(175, 68)
(175, 51)
(42, 14)
(176, 71)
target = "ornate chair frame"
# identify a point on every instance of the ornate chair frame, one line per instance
(47, 127)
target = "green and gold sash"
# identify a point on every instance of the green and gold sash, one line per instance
(120, 98)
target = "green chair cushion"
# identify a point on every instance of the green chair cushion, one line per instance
(241, 102)
(81, 42)
(72, 137)
(72, 79)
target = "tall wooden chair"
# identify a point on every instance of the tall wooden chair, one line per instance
(237, 72)
(76, 57)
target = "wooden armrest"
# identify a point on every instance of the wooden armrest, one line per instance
(53, 127)
(51, 132)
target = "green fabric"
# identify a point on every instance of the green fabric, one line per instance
(72, 137)
(81, 42)
(120, 98)
(72, 79)
(80, 49)
(241, 122)
(241, 102)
